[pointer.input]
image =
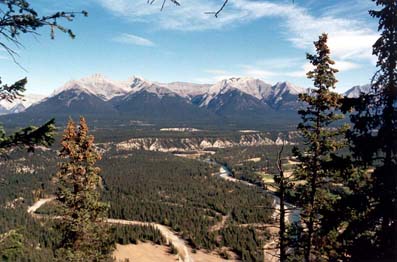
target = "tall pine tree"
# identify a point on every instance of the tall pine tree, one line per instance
(83, 215)
(374, 144)
(321, 141)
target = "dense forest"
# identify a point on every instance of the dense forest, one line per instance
(147, 186)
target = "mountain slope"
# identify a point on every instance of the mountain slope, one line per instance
(240, 102)
(97, 85)
(188, 90)
(284, 96)
(355, 91)
(17, 109)
(250, 86)
(71, 102)
(234, 103)
(160, 106)
(3, 110)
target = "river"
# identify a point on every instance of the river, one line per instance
(292, 211)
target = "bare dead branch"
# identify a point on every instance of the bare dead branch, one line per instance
(175, 2)
(279, 158)
(216, 14)
(17, 17)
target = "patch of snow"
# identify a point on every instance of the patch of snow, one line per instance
(97, 85)
(187, 89)
(355, 91)
(251, 86)
(284, 87)
(21, 104)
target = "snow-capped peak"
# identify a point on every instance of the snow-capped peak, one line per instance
(355, 91)
(137, 83)
(182, 89)
(98, 85)
(187, 90)
(160, 91)
(22, 103)
(282, 87)
(254, 87)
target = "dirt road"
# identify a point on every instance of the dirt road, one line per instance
(169, 235)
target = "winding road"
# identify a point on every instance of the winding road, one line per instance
(168, 234)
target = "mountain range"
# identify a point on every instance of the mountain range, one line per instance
(245, 102)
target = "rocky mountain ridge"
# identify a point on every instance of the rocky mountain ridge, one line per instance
(244, 102)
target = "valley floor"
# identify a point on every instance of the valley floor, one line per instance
(148, 252)
(143, 252)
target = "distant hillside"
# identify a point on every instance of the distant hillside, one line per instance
(235, 102)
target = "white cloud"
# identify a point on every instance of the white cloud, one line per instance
(242, 71)
(273, 70)
(301, 73)
(133, 40)
(190, 16)
(349, 38)
(350, 8)
(257, 72)
(343, 66)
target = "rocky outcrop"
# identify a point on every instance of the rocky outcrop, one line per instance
(255, 140)
(194, 144)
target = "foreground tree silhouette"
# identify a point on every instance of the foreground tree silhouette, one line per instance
(28, 137)
(284, 186)
(18, 17)
(374, 144)
(321, 143)
(83, 215)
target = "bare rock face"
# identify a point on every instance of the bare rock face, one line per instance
(255, 140)
(195, 144)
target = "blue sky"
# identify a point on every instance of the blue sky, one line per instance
(265, 39)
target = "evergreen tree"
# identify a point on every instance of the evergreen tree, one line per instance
(321, 142)
(27, 137)
(18, 17)
(11, 245)
(83, 215)
(374, 145)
